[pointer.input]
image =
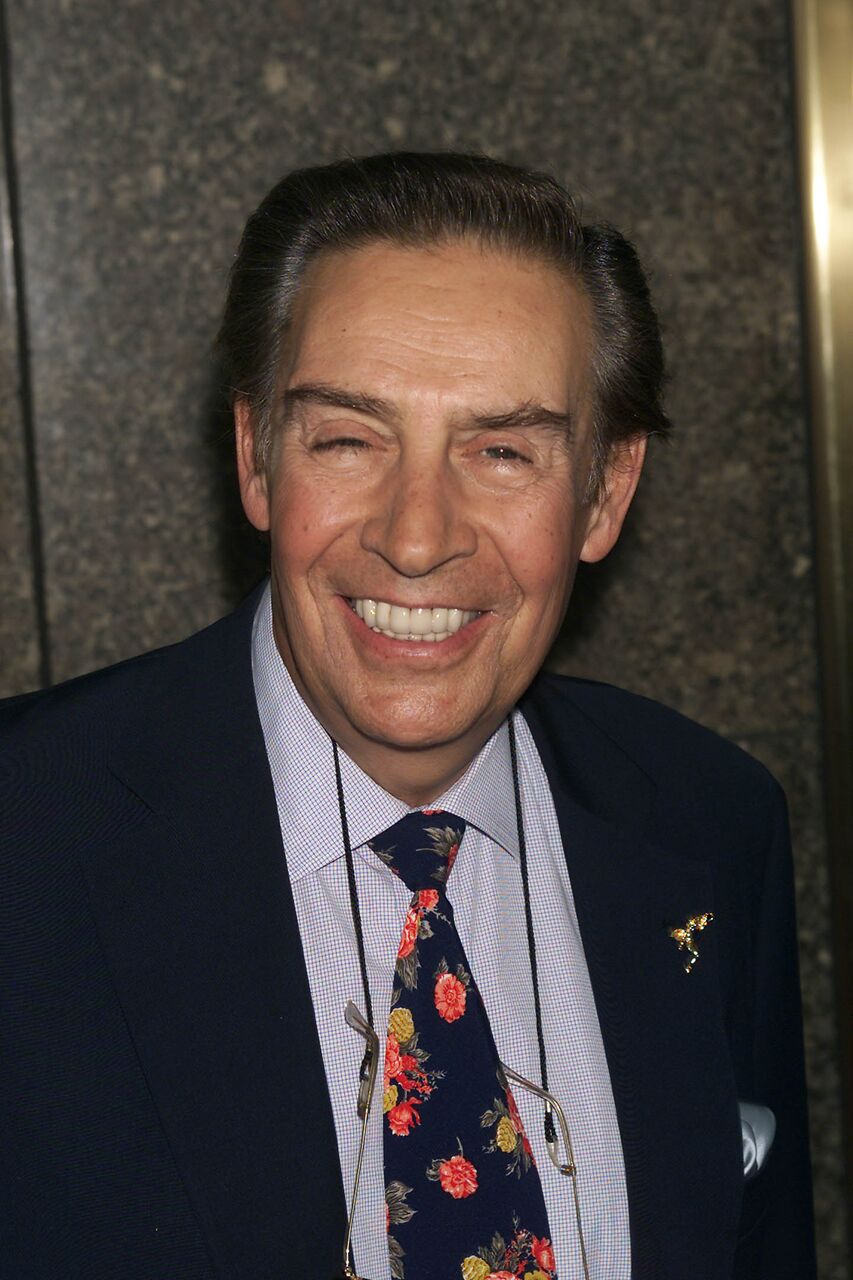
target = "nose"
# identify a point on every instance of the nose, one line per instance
(421, 521)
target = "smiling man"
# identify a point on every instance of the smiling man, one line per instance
(427, 495)
(564, 913)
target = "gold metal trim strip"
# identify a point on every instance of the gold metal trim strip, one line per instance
(823, 54)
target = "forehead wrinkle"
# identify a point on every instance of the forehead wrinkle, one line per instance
(407, 343)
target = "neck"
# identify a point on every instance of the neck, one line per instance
(415, 776)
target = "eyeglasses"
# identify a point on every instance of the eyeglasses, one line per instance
(367, 1080)
(563, 1160)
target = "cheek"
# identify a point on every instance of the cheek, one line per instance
(305, 521)
(543, 557)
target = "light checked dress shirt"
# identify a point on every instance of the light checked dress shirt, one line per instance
(488, 903)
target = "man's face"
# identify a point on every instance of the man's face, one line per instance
(427, 479)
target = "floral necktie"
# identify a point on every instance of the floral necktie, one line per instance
(463, 1196)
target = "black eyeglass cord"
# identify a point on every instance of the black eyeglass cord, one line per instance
(354, 908)
(550, 1130)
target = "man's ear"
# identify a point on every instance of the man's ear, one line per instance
(253, 483)
(608, 512)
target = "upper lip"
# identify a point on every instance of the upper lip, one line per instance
(418, 604)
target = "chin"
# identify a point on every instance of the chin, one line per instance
(409, 728)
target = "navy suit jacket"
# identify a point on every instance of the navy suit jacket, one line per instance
(163, 1106)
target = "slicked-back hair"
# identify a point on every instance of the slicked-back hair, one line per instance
(415, 200)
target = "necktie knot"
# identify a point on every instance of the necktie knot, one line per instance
(421, 848)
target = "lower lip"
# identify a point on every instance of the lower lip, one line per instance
(414, 650)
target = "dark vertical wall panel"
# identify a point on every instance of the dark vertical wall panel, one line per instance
(145, 135)
(20, 646)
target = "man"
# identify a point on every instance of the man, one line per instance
(443, 385)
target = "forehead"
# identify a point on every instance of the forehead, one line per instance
(455, 321)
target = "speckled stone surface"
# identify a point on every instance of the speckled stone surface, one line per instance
(20, 652)
(146, 133)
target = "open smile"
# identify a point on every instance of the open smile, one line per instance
(430, 624)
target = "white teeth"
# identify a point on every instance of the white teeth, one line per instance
(420, 623)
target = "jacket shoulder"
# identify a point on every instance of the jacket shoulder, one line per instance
(56, 744)
(679, 755)
(56, 786)
(81, 705)
(106, 703)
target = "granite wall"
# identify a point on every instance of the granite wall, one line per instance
(142, 135)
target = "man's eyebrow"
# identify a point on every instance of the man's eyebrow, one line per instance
(526, 415)
(337, 398)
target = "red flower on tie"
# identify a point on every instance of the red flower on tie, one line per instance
(544, 1254)
(393, 1061)
(402, 1117)
(410, 933)
(428, 898)
(458, 1177)
(450, 997)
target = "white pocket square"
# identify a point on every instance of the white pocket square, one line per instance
(758, 1129)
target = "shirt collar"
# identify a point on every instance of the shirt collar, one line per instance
(302, 766)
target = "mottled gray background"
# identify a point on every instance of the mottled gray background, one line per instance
(144, 134)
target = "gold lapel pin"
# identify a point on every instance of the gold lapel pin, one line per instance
(685, 936)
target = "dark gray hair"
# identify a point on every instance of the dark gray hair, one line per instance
(416, 199)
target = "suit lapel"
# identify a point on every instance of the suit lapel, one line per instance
(197, 918)
(663, 1030)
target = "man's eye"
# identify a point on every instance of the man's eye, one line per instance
(504, 453)
(340, 442)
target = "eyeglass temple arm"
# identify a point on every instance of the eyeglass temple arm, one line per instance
(367, 1076)
(552, 1106)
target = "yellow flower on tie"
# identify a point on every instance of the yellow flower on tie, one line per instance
(389, 1098)
(475, 1269)
(536, 1275)
(401, 1024)
(506, 1136)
